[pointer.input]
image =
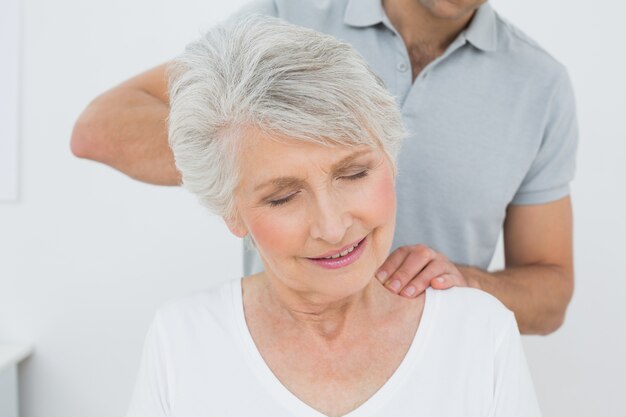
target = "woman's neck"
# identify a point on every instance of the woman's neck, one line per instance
(323, 317)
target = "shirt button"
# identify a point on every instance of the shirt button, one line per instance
(402, 66)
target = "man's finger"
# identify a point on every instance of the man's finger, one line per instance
(423, 279)
(433, 270)
(443, 275)
(443, 282)
(417, 259)
(391, 264)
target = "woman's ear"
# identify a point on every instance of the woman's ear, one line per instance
(236, 225)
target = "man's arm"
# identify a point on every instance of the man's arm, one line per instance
(538, 280)
(126, 129)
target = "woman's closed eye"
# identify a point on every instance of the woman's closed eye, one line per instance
(284, 200)
(358, 175)
(280, 201)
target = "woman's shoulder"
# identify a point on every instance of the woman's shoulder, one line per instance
(472, 307)
(213, 305)
(467, 296)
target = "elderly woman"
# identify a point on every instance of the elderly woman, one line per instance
(288, 136)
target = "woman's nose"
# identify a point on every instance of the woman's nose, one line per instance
(331, 221)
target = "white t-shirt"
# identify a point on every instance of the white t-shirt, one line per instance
(466, 359)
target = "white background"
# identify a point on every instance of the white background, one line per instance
(88, 254)
(9, 92)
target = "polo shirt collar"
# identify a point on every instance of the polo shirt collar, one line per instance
(363, 13)
(482, 30)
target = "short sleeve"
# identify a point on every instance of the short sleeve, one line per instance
(150, 397)
(553, 167)
(514, 393)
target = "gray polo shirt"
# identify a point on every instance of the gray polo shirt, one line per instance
(491, 123)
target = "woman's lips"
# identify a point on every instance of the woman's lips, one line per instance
(346, 248)
(335, 263)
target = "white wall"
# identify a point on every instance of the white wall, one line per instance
(9, 94)
(86, 255)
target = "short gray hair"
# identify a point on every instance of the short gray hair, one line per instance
(283, 80)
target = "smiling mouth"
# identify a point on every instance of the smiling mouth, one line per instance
(342, 253)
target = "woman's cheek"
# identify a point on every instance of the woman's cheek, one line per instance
(277, 231)
(378, 200)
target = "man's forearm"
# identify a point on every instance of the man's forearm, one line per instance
(126, 128)
(127, 131)
(537, 294)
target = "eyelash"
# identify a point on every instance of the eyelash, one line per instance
(356, 176)
(280, 202)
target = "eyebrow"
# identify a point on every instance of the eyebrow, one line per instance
(285, 182)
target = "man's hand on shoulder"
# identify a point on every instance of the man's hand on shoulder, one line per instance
(538, 279)
(409, 270)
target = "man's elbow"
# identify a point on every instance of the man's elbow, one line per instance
(551, 325)
(554, 316)
(542, 326)
(86, 141)
(80, 143)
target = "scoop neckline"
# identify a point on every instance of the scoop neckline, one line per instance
(290, 402)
